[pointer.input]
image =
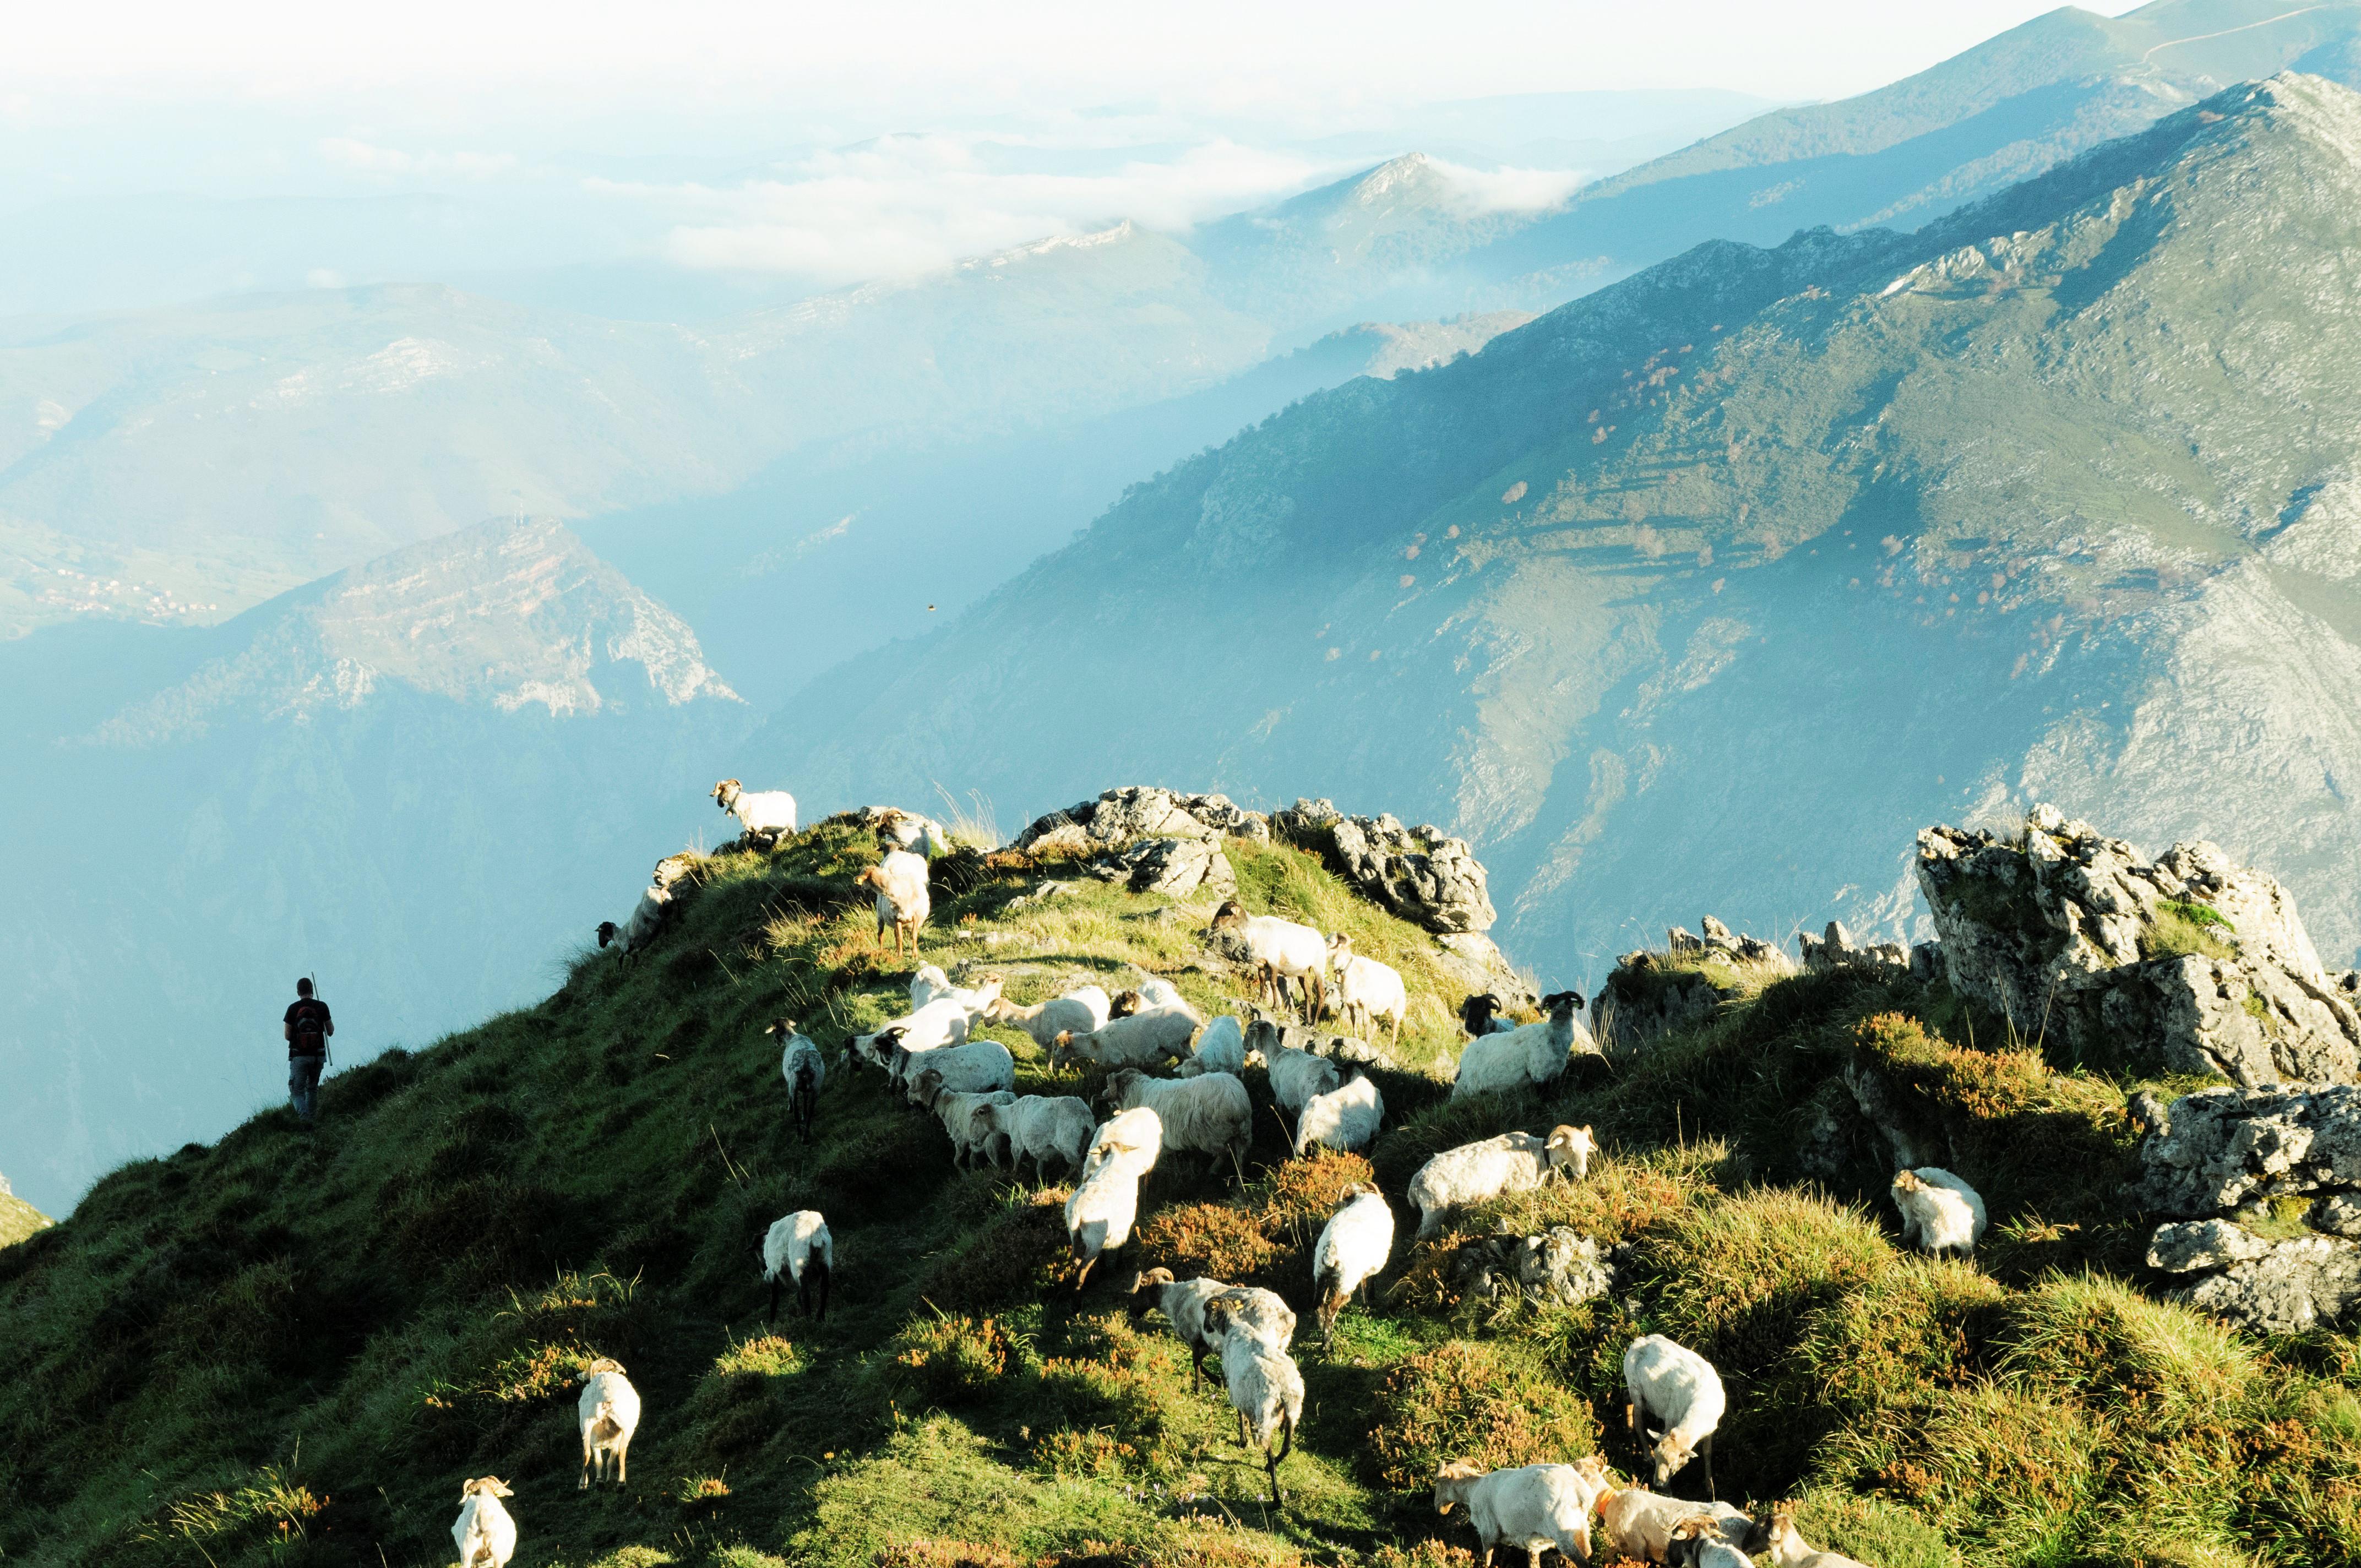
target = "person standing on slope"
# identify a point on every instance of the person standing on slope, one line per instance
(308, 1028)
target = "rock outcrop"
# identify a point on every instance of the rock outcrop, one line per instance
(1150, 839)
(1649, 995)
(1561, 1267)
(1836, 949)
(2262, 1286)
(2222, 1149)
(1421, 873)
(2190, 964)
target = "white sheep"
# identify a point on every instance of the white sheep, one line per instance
(964, 1117)
(927, 982)
(1282, 953)
(1221, 1047)
(1255, 1311)
(1366, 990)
(1266, 1389)
(1143, 1039)
(1044, 1127)
(908, 830)
(1152, 992)
(902, 901)
(1513, 1162)
(1644, 1524)
(1941, 1214)
(1078, 1012)
(1295, 1075)
(1477, 1015)
(1788, 1548)
(676, 868)
(767, 816)
(1099, 1214)
(1676, 1385)
(799, 1248)
(805, 1069)
(978, 1066)
(647, 918)
(941, 1022)
(1353, 1247)
(1209, 1113)
(1698, 1542)
(1535, 1506)
(1345, 1118)
(1530, 1056)
(610, 1412)
(1133, 1139)
(486, 1534)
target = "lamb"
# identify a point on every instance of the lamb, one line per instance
(1366, 990)
(801, 1064)
(1043, 1127)
(1078, 1012)
(1343, 1118)
(767, 816)
(941, 1022)
(1353, 1247)
(1526, 1057)
(1677, 1385)
(962, 1113)
(485, 1531)
(1478, 1016)
(908, 830)
(1099, 1214)
(1295, 1076)
(1209, 1113)
(1149, 993)
(1513, 1162)
(610, 1411)
(902, 901)
(1221, 1047)
(647, 918)
(1789, 1550)
(1536, 1507)
(799, 1247)
(1281, 952)
(1143, 1039)
(1133, 1139)
(1941, 1214)
(1255, 1312)
(1643, 1524)
(1266, 1389)
(978, 1066)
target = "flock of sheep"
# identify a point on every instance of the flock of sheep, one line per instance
(968, 1084)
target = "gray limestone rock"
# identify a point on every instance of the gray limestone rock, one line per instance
(2195, 1245)
(1421, 873)
(1180, 867)
(1836, 949)
(2071, 935)
(1561, 1267)
(1121, 817)
(2339, 1214)
(2291, 1287)
(2227, 1147)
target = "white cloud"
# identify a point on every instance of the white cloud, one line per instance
(349, 153)
(1513, 190)
(325, 278)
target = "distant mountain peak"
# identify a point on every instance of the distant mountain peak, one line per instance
(508, 615)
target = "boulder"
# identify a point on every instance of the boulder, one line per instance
(1180, 867)
(1472, 960)
(1649, 994)
(1121, 817)
(1560, 1267)
(1421, 873)
(2225, 1148)
(2292, 1286)
(1836, 949)
(2193, 1246)
(1719, 939)
(2190, 964)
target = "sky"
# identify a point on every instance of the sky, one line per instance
(161, 151)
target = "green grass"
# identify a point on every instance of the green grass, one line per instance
(326, 1331)
(2181, 927)
(18, 1219)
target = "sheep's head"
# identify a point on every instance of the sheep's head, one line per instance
(1340, 950)
(1569, 1147)
(1476, 1012)
(725, 793)
(1230, 913)
(1220, 1316)
(1061, 1049)
(1697, 1527)
(1147, 1289)
(872, 876)
(485, 1486)
(1593, 1469)
(1118, 1087)
(607, 931)
(1124, 1003)
(604, 1364)
(988, 988)
(1908, 1182)
(1452, 1479)
(1562, 1004)
(1670, 1457)
(929, 1089)
(785, 1028)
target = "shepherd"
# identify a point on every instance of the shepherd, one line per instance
(308, 1028)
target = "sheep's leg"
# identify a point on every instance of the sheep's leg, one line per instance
(1242, 1427)
(590, 1455)
(622, 1458)
(1533, 1556)
(774, 1317)
(1705, 1452)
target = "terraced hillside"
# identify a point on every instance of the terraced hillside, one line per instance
(291, 1347)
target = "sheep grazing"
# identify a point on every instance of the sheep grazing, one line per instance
(801, 1064)
(978, 1066)
(1674, 1384)
(1536, 1507)
(1266, 1389)
(1043, 1127)
(1513, 1162)
(610, 1409)
(1295, 1076)
(1479, 1016)
(962, 1114)
(907, 830)
(1366, 990)
(1941, 1214)
(1789, 1550)
(1255, 1311)
(1527, 1057)
(1099, 1214)
(1221, 1047)
(1209, 1113)
(799, 1247)
(1353, 1247)
(941, 1022)
(902, 902)
(1078, 1012)
(1343, 1118)
(1637, 1523)
(1133, 1139)
(1285, 955)
(765, 816)
(1697, 1542)
(485, 1533)
(1143, 1039)
(647, 919)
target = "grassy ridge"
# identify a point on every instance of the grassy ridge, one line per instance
(290, 1346)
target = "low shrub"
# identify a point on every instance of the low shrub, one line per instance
(1488, 1403)
(950, 1360)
